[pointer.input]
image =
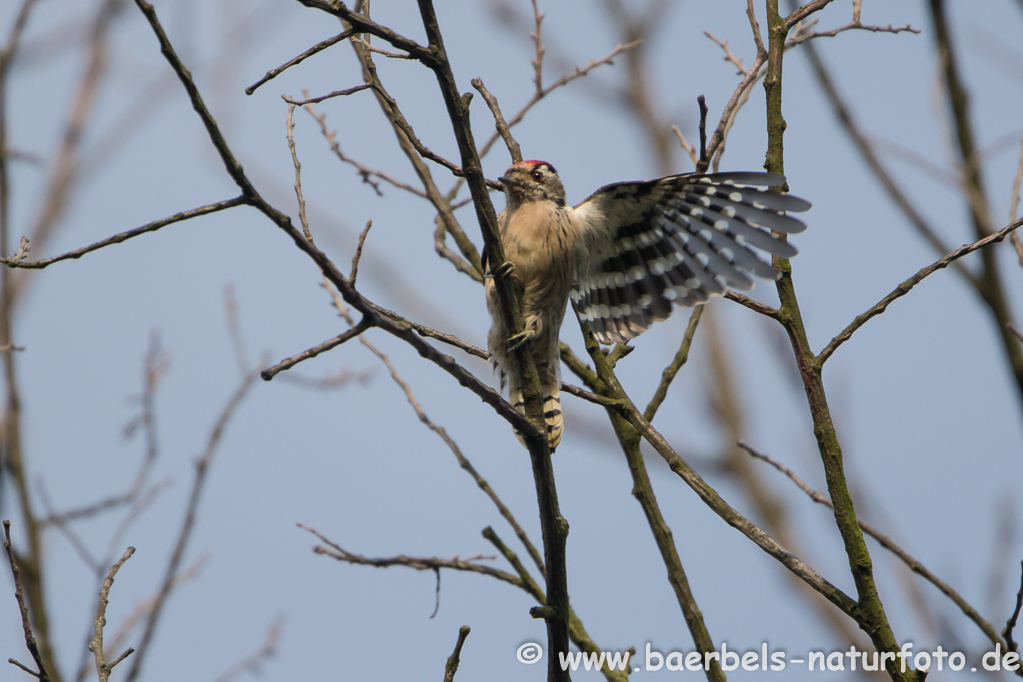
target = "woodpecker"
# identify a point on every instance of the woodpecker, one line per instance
(624, 257)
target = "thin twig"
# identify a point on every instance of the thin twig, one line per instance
(802, 36)
(468, 565)
(336, 93)
(26, 626)
(234, 330)
(502, 126)
(361, 23)
(908, 285)
(450, 340)
(447, 223)
(96, 645)
(451, 667)
(318, 47)
(688, 148)
(290, 126)
(125, 236)
(701, 102)
(1010, 624)
(751, 15)
(803, 12)
(888, 544)
(269, 373)
(376, 50)
(365, 171)
(537, 61)
(669, 373)
(1014, 206)
(578, 72)
(752, 304)
(143, 608)
(589, 397)
(729, 56)
(67, 167)
(358, 252)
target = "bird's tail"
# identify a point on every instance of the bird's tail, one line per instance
(550, 386)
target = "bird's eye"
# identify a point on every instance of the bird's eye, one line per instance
(537, 175)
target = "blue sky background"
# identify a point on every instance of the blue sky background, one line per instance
(929, 418)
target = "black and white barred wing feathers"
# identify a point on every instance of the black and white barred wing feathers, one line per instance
(677, 240)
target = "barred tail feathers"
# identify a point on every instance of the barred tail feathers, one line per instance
(550, 387)
(552, 411)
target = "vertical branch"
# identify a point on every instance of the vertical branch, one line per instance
(30, 640)
(988, 283)
(552, 523)
(629, 438)
(871, 615)
(11, 461)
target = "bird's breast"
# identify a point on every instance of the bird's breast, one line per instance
(539, 239)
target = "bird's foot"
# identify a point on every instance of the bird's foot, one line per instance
(504, 269)
(516, 341)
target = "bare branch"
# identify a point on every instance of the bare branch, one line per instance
(376, 50)
(358, 252)
(502, 125)
(335, 93)
(318, 47)
(145, 607)
(26, 626)
(908, 285)
(1010, 624)
(540, 50)
(450, 340)
(729, 57)
(751, 303)
(125, 236)
(441, 202)
(290, 126)
(234, 329)
(888, 544)
(669, 373)
(451, 667)
(96, 645)
(363, 24)
(578, 72)
(467, 565)
(802, 36)
(365, 171)
(441, 247)
(269, 373)
(1014, 206)
(755, 27)
(803, 12)
(688, 148)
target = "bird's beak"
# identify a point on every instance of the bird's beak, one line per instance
(508, 182)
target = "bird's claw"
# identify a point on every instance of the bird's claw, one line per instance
(505, 268)
(516, 341)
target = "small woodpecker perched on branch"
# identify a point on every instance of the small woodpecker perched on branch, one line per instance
(624, 256)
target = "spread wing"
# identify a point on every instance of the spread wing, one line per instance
(675, 240)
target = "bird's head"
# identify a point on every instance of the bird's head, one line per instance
(533, 181)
